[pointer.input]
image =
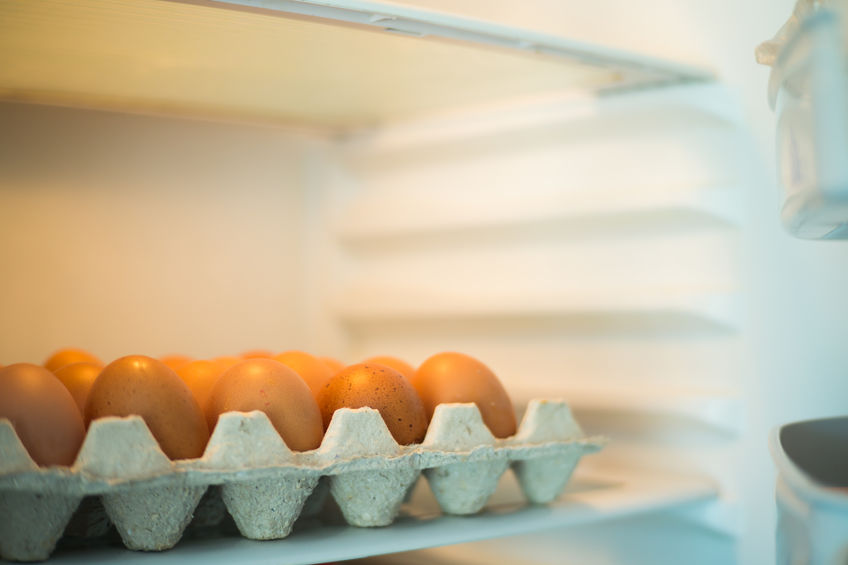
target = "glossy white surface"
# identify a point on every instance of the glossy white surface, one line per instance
(260, 61)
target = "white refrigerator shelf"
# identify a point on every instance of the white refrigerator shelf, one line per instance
(329, 64)
(717, 408)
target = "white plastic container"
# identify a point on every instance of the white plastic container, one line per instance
(812, 491)
(807, 90)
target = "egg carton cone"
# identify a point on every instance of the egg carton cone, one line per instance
(462, 488)
(149, 517)
(30, 522)
(372, 496)
(543, 478)
(266, 507)
(248, 472)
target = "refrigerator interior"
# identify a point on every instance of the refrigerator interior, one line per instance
(616, 250)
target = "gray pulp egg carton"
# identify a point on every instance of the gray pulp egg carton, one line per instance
(265, 486)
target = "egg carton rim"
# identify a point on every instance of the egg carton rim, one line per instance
(45, 480)
(322, 461)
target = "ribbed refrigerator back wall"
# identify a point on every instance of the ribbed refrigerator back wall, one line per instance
(594, 255)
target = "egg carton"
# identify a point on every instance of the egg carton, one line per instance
(265, 486)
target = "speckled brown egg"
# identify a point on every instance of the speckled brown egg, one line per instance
(398, 365)
(455, 377)
(43, 413)
(69, 355)
(78, 378)
(382, 388)
(143, 386)
(276, 390)
(315, 372)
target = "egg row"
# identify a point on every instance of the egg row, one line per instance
(181, 399)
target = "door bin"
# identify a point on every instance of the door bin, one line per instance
(812, 492)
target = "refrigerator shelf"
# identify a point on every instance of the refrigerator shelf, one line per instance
(585, 312)
(662, 529)
(328, 64)
(591, 498)
(603, 211)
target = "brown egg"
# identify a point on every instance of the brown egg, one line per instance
(144, 386)
(334, 364)
(381, 388)
(257, 354)
(226, 361)
(43, 413)
(175, 361)
(454, 377)
(69, 355)
(276, 390)
(398, 365)
(200, 377)
(315, 372)
(78, 379)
